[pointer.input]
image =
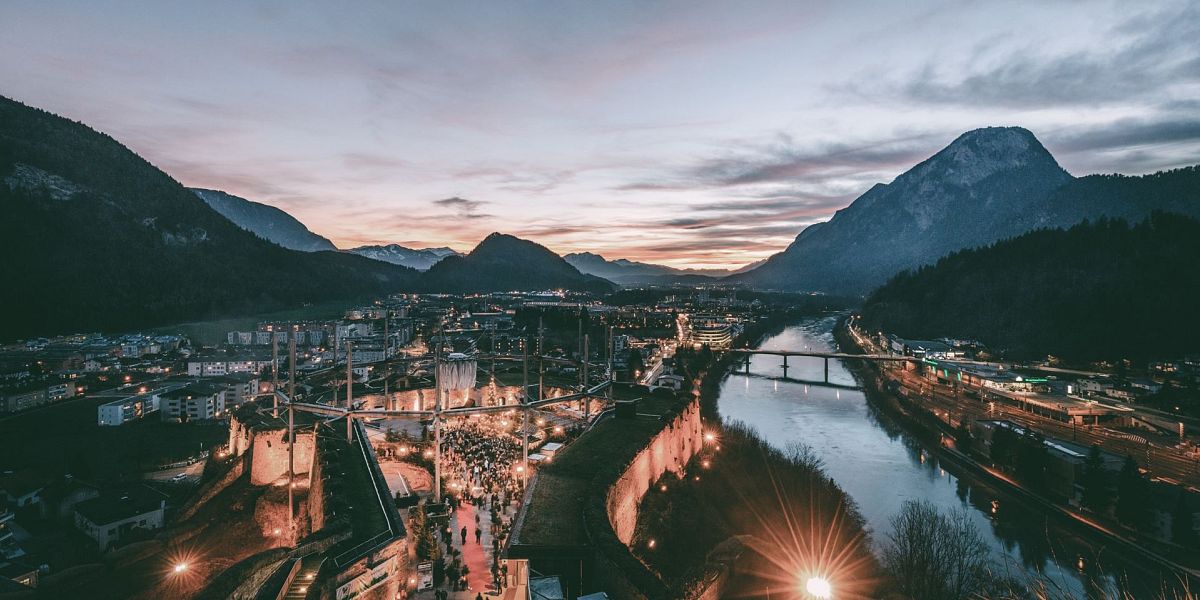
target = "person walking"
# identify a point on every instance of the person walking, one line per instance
(464, 534)
(478, 534)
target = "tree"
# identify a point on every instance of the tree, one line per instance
(963, 438)
(636, 365)
(935, 556)
(1182, 531)
(1096, 488)
(1032, 460)
(1133, 495)
(1004, 447)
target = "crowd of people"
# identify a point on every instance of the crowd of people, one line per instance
(481, 454)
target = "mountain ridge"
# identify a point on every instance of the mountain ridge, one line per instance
(420, 259)
(987, 185)
(266, 221)
(501, 262)
(100, 239)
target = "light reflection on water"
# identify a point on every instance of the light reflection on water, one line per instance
(881, 467)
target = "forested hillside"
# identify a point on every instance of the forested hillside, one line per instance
(1103, 290)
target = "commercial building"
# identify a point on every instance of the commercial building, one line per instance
(712, 332)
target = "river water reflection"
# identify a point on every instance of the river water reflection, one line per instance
(880, 466)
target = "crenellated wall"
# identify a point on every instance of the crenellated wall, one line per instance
(669, 450)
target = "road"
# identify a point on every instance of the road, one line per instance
(191, 473)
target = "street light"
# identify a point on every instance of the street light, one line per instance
(818, 587)
(181, 567)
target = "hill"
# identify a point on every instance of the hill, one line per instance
(989, 184)
(267, 222)
(420, 259)
(95, 237)
(1101, 290)
(502, 263)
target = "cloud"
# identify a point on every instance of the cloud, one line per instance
(1147, 55)
(785, 160)
(1127, 133)
(462, 207)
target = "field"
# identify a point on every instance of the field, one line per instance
(64, 438)
(213, 331)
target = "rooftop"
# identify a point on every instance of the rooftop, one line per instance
(116, 505)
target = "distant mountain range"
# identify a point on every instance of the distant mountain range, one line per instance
(420, 259)
(276, 225)
(95, 237)
(628, 272)
(265, 221)
(1104, 290)
(988, 185)
(503, 263)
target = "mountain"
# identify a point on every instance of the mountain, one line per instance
(267, 222)
(502, 263)
(1102, 290)
(988, 185)
(420, 259)
(95, 237)
(627, 272)
(977, 190)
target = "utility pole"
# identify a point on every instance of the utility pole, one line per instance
(541, 363)
(349, 388)
(525, 412)
(274, 373)
(292, 428)
(579, 343)
(492, 371)
(387, 355)
(587, 400)
(437, 425)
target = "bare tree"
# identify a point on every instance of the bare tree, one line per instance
(935, 556)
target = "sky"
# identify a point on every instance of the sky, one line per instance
(693, 134)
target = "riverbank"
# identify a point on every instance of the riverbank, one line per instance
(935, 436)
(776, 510)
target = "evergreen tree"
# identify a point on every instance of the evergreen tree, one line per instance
(1182, 531)
(1133, 494)
(1032, 459)
(636, 364)
(1096, 492)
(963, 438)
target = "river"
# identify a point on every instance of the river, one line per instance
(881, 466)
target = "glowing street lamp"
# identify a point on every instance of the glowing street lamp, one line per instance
(818, 587)
(181, 567)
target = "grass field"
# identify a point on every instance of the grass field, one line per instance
(213, 331)
(64, 438)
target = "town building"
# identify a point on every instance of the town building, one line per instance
(114, 515)
(124, 410)
(239, 387)
(218, 365)
(196, 401)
